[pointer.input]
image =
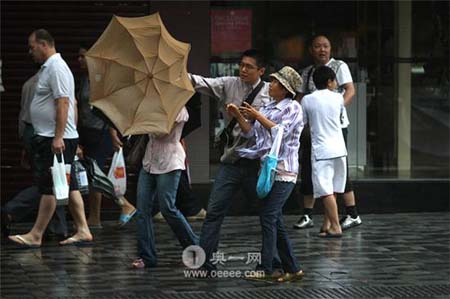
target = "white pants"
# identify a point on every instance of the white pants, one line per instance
(328, 176)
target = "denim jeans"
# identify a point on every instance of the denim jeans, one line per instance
(186, 202)
(229, 180)
(164, 187)
(274, 236)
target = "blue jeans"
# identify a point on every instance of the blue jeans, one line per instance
(229, 180)
(186, 202)
(164, 187)
(274, 236)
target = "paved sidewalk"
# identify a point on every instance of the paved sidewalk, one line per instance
(388, 256)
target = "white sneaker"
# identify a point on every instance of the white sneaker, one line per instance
(304, 222)
(349, 222)
(159, 217)
(199, 216)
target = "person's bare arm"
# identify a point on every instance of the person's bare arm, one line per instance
(62, 108)
(117, 143)
(75, 106)
(348, 93)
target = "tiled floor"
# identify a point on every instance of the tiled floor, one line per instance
(389, 256)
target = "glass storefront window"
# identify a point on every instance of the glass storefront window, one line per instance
(400, 115)
(430, 114)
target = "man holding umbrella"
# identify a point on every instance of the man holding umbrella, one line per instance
(235, 172)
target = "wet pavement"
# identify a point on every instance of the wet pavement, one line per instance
(388, 256)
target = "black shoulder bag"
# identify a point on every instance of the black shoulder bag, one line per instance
(226, 137)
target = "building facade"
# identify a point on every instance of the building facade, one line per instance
(398, 53)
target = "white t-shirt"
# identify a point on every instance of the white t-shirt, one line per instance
(343, 76)
(28, 89)
(322, 110)
(55, 81)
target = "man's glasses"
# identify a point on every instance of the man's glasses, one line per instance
(249, 67)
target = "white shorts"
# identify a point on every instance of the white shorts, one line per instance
(328, 176)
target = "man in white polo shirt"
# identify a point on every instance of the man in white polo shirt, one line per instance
(321, 52)
(53, 118)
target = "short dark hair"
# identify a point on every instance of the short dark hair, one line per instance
(255, 54)
(313, 38)
(321, 76)
(44, 35)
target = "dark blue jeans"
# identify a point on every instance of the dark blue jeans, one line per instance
(229, 180)
(164, 187)
(275, 239)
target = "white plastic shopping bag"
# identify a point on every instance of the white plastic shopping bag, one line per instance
(269, 164)
(61, 177)
(117, 173)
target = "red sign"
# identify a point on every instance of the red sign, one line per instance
(231, 30)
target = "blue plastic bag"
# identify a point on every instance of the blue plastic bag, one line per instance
(266, 176)
(267, 173)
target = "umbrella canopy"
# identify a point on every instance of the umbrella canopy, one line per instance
(138, 75)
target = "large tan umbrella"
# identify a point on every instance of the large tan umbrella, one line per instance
(138, 75)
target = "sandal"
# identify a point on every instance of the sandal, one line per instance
(289, 277)
(125, 218)
(138, 264)
(328, 235)
(322, 232)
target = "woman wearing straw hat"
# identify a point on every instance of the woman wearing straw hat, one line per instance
(286, 113)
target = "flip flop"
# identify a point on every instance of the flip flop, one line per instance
(322, 231)
(138, 264)
(23, 244)
(328, 235)
(97, 226)
(125, 218)
(77, 242)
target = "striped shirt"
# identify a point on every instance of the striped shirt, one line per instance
(287, 113)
